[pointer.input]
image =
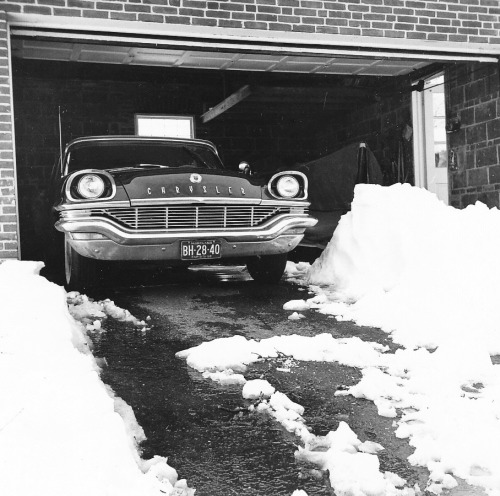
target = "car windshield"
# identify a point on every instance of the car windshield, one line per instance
(116, 155)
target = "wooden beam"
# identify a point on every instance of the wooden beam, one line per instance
(230, 101)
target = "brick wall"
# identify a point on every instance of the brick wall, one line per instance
(474, 98)
(8, 217)
(472, 21)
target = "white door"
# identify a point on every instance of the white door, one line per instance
(429, 143)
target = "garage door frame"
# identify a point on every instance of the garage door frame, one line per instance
(244, 40)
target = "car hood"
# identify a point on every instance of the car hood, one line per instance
(154, 184)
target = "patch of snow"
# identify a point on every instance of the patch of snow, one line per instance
(296, 271)
(351, 471)
(91, 313)
(62, 431)
(226, 377)
(298, 305)
(372, 448)
(257, 388)
(299, 492)
(237, 352)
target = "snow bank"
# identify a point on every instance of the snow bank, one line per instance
(61, 430)
(415, 267)
(428, 274)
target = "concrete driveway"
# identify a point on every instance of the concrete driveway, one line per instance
(203, 427)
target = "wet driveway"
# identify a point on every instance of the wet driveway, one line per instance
(203, 427)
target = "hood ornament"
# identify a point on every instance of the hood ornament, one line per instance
(195, 178)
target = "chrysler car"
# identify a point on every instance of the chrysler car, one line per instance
(173, 201)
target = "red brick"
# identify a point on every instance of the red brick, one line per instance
(96, 14)
(477, 177)
(68, 12)
(204, 22)
(81, 4)
(487, 156)
(8, 254)
(37, 10)
(109, 6)
(218, 14)
(137, 8)
(255, 25)
(150, 18)
(52, 3)
(303, 29)
(223, 23)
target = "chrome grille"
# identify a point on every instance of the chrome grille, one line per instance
(192, 217)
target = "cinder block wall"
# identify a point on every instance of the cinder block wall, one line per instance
(474, 99)
(382, 126)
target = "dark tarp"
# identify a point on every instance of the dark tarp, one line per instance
(331, 187)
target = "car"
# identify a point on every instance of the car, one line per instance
(171, 200)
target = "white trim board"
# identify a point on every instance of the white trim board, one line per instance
(238, 39)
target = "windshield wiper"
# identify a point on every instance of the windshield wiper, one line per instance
(196, 156)
(155, 166)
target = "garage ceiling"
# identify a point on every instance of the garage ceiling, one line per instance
(217, 60)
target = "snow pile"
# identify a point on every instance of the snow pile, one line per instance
(287, 413)
(236, 352)
(403, 261)
(225, 377)
(61, 430)
(353, 469)
(91, 313)
(415, 267)
(296, 316)
(295, 272)
(258, 388)
(450, 414)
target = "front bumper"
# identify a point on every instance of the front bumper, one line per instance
(280, 235)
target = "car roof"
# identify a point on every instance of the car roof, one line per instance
(139, 139)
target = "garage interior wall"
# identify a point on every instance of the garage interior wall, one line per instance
(383, 126)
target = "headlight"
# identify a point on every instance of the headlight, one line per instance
(90, 186)
(287, 186)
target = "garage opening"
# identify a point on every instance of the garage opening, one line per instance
(273, 110)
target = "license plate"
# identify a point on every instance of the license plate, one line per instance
(200, 250)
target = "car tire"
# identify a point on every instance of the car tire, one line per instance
(267, 268)
(80, 272)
